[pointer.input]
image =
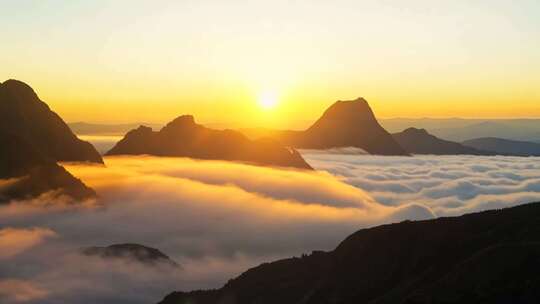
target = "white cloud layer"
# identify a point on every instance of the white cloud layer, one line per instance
(447, 185)
(217, 219)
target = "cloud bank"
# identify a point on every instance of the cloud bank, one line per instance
(217, 219)
(447, 185)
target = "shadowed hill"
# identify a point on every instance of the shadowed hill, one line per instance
(419, 141)
(142, 254)
(505, 146)
(486, 257)
(23, 114)
(345, 124)
(27, 173)
(183, 137)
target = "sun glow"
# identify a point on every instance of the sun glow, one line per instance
(268, 100)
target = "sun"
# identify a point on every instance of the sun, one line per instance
(268, 100)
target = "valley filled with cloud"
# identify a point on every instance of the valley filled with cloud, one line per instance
(217, 219)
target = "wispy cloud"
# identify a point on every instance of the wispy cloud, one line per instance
(14, 241)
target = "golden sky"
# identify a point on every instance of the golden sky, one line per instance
(125, 61)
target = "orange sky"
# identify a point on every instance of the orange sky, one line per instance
(126, 61)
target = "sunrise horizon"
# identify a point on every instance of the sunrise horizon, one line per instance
(269, 152)
(95, 59)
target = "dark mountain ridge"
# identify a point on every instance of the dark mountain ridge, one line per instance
(419, 141)
(33, 174)
(183, 137)
(23, 114)
(486, 257)
(348, 123)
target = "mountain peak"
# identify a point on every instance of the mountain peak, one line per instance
(18, 88)
(349, 110)
(22, 113)
(181, 122)
(347, 123)
(419, 141)
(416, 131)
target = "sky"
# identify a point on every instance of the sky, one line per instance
(126, 61)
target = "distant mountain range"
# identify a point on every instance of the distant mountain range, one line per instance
(85, 128)
(419, 141)
(183, 137)
(32, 140)
(505, 146)
(486, 257)
(353, 124)
(461, 129)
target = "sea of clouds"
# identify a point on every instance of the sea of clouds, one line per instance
(217, 219)
(447, 185)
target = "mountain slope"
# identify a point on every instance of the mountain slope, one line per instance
(419, 141)
(23, 114)
(505, 146)
(486, 257)
(345, 124)
(184, 138)
(27, 173)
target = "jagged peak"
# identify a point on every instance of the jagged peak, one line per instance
(139, 131)
(183, 121)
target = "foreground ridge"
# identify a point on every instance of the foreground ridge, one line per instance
(487, 257)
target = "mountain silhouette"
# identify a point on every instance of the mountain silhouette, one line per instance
(135, 252)
(27, 173)
(348, 123)
(183, 137)
(23, 114)
(486, 257)
(419, 141)
(505, 146)
(514, 129)
(86, 128)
